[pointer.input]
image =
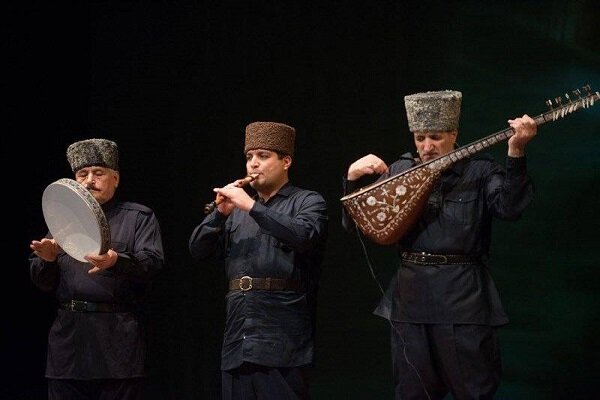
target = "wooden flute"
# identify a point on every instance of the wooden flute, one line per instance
(208, 208)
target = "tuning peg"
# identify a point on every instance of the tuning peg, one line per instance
(587, 89)
(558, 101)
(577, 93)
(549, 104)
(567, 97)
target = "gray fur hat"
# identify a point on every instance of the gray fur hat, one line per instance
(93, 152)
(433, 111)
(270, 136)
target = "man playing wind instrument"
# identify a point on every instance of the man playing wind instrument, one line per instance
(272, 245)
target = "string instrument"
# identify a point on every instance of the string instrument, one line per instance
(386, 210)
(208, 208)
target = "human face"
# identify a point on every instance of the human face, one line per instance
(100, 181)
(270, 169)
(435, 144)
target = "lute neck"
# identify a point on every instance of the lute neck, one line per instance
(554, 114)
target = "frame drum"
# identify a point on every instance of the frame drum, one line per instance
(75, 219)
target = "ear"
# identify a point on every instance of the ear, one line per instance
(287, 162)
(454, 135)
(117, 178)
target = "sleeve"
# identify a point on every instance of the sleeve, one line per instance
(508, 192)
(207, 239)
(43, 274)
(147, 257)
(303, 231)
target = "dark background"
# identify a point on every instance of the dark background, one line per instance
(175, 83)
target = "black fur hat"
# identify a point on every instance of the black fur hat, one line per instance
(93, 152)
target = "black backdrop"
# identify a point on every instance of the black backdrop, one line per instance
(175, 83)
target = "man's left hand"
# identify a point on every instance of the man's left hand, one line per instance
(236, 196)
(102, 261)
(524, 129)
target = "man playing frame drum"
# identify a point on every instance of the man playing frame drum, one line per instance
(96, 345)
(442, 303)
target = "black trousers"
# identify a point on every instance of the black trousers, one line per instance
(430, 360)
(256, 382)
(96, 389)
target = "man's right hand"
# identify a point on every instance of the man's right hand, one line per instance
(46, 249)
(368, 165)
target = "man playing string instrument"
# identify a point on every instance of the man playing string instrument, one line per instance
(442, 303)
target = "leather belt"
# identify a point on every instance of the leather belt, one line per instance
(246, 283)
(88, 306)
(440, 259)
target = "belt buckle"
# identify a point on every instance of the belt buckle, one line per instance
(245, 279)
(79, 306)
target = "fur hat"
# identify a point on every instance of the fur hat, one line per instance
(270, 136)
(433, 111)
(93, 152)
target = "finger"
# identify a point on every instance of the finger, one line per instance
(515, 124)
(93, 270)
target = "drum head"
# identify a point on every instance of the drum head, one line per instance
(75, 219)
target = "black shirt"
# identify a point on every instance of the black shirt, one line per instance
(90, 345)
(282, 238)
(456, 220)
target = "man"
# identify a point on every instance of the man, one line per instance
(96, 347)
(272, 245)
(442, 303)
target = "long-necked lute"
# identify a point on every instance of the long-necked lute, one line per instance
(385, 210)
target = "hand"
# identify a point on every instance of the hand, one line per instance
(102, 261)
(524, 129)
(368, 165)
(46, 249)
(224, 206)
(234, 197)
